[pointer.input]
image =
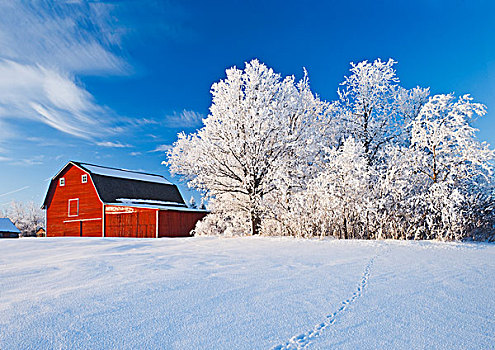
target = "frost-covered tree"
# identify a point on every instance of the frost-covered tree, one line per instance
(27, 217)
(446, 143)
(373, 108)
(454, 165)
(375, 112)
(259, 123)
(192, 203)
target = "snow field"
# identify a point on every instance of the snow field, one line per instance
(245, 293)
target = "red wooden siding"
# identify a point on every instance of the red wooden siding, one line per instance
(88, 221)
(121, 221)
(177, 223)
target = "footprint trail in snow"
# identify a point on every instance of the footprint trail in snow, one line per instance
(301, 341)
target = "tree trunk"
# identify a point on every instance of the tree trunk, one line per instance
(255, 223)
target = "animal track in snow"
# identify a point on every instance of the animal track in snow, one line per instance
(301, 341)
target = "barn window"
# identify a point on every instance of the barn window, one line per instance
(73, 207)
(84, 179)
(62, 181)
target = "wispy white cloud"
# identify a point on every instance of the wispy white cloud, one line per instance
(79, 37)
(36, 160)
(185, 119)
(50, 97)
(135, 154)
(162, 148)
(44, 46)
(47, 142)
(145, 121)
(113, 144)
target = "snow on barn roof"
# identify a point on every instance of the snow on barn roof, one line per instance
(149, 201)
(7, 226)
(123, 173)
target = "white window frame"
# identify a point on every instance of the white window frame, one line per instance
(68, 207)
(84, 178)
(61, 181)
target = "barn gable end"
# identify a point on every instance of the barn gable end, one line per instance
(74, 208)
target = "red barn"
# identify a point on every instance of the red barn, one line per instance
(88, 200)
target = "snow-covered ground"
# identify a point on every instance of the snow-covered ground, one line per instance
(245, 293)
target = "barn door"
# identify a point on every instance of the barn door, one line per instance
(80, 229)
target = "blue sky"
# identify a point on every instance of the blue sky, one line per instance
(112, 83)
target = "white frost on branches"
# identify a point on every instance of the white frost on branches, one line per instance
(374, 109)
(260, 130)
(192, 203)
(445, 142)
(27, 217)
(382, 161)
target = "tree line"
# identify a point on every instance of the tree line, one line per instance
(382, 161)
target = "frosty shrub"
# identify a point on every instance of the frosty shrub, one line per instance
(381, 161)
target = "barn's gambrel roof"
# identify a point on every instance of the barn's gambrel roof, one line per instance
(113, 185)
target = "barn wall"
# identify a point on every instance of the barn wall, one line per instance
(121, 221)
(89, 218)
(177, 223)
